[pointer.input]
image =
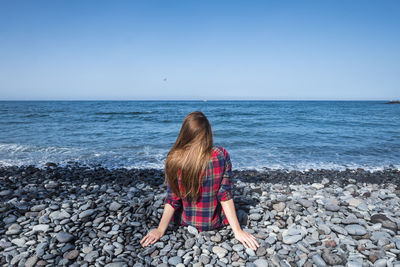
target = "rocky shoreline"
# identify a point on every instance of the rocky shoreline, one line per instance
(80, 216)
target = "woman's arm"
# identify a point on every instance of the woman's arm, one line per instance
(244, 237)
(156, 234)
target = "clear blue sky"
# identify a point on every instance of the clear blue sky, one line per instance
(199, 49)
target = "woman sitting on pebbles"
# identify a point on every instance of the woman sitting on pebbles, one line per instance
(199, 182)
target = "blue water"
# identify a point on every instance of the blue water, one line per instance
(274, 134)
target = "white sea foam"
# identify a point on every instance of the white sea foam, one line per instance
(150, 157)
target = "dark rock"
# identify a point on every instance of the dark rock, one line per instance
(333, 259)
(385, 221)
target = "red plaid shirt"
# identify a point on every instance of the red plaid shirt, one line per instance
(207, 213)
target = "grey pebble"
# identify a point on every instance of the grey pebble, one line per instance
(318, 260)
(91, 256)
(86, 213)
(193, 230)
(261, 263)
(64, 237)
(250, 252)
(114, 206)
(355, 229)
(175, 260)
(238, 247)
(332, 207)
(189, 243)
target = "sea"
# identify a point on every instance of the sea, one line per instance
(259, 135)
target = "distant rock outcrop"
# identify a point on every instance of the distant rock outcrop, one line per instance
(393, 102)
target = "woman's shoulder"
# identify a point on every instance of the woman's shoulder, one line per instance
(220, 151)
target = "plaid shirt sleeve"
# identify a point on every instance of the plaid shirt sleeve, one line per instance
(224, 192)
(172, 199)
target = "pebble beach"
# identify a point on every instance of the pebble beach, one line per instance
(80, 216)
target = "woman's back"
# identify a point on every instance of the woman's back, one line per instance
(193, 155)
(206, 213)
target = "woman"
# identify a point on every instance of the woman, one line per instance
(199, 182)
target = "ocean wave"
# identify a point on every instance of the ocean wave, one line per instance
(146, 158)
(124, 113)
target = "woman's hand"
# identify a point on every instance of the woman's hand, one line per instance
(151, 237)
(247, 239)
(156, 234)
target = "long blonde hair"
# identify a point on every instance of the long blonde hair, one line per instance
(189, 156)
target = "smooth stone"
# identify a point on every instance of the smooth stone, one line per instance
(333, 259)
(13, 232)
(148, 250)
(72, 254)
(67, 247)
(332, 207)
(261, 251)
(226, 246)
(39, 207)
(317, 185)
(219, 251)
(355, 202)
(318, 261)
(385, 221)
(192, 230)
(64, 237)
(238, 247)
(261, 263)
(175, 260)
(250, 252)
(353, 264)
(398, 244)
(31, 261)
(20, 242)
(87, 249)
(5, 244)
(118, 251)
(86, 213)
(355, 229)
(40, 228)
(189, 243)
(116, 264)
(338, 229)
(5, 192)
(292, 235)
(41, 263)
(44, 219)
(14, 226)
(381, 263)
(255, 216)
(305, 202)
(324, 228)
(54, 207)
(91, 256)
(10, 219)
(204, 259)
(352, 219)
(279, 206)
(363, 206)
(59, 215)
(19, 257)
(271, 240)
(159, 245)
(114, 206)
(40, 249)
(379, 235)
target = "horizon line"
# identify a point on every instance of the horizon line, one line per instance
(194, 100)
